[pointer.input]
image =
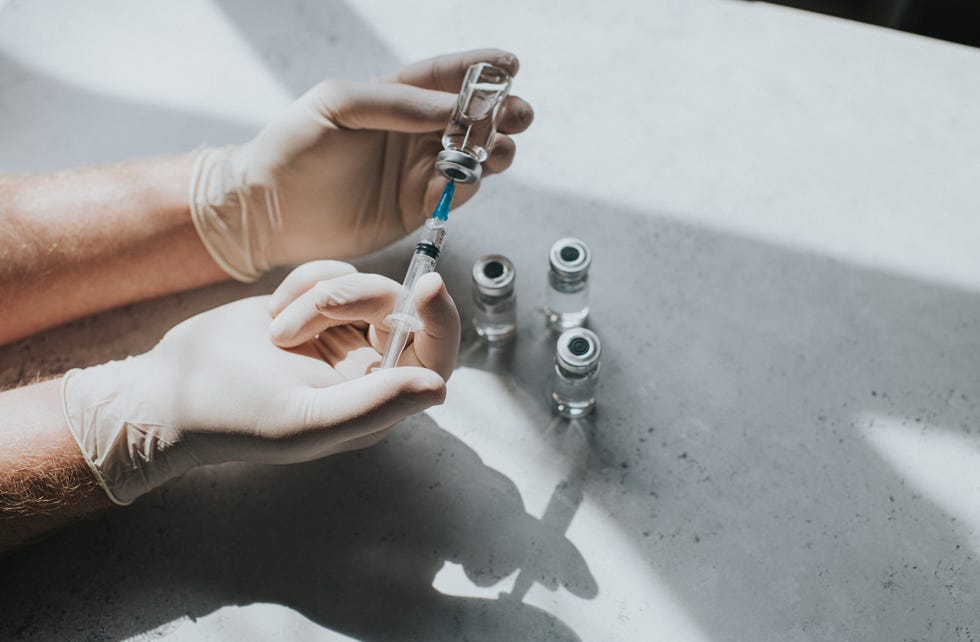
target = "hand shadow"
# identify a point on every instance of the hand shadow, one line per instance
(353, 542)
(572, 438)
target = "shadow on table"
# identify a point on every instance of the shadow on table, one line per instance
(41, 114)
(352, 542)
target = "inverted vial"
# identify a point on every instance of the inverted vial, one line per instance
(469, 135)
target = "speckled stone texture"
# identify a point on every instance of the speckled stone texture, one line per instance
(786, 440)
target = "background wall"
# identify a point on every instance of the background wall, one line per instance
(952, 20)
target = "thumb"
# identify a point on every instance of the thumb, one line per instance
(368, 404)
(381, 106)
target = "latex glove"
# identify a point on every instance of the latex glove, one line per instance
(216, 389)
(348, 169)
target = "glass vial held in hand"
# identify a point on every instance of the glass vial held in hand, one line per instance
(494, 299)
(567, 304)
(469, 136)
(576, 373)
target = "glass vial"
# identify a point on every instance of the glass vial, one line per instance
(469, 136)
(494, 298)
(576, 373)
(567, 304)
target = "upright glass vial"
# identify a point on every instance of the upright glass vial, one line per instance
(576, 373)
(567, 303)
(494, 298)
(469, 136)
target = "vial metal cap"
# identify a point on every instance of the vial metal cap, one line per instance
(578, 350)
(570, 257)
(458, 166)
(493, 275)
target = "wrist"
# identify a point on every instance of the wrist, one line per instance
(44, 482)
(130, 443)
(235, 216)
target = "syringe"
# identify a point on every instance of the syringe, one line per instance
(403, 320)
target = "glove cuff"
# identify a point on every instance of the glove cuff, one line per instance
(235, 220)
(128, 451)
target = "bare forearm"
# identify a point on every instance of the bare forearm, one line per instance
(76, 242)
(44, 480)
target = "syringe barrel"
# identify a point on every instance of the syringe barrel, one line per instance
(433, 233)
(396, 343)
(404, 309)
(403, 319)
(424, 260)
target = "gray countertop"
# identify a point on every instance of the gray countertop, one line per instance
(783, 213)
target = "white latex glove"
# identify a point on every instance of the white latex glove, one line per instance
(216, 389)
(346, 170)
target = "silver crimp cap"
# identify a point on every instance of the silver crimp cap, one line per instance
(578, 350)
(458, 166)
(493, 275)
(570, 257)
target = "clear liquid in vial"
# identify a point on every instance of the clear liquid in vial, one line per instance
(495, 317)
(567, 306)
(471, 127)
(573, 395)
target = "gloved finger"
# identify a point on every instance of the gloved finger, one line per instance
(363, 406)
(446, 72)
(436, 344)
(501, 155)
(351, 297)
(300, 321)
(302, 279)
(515, 115)
(397, 107)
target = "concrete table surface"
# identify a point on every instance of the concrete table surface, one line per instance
(783, 211)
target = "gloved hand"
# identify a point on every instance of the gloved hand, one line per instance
(348, 169)
(216, 389)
